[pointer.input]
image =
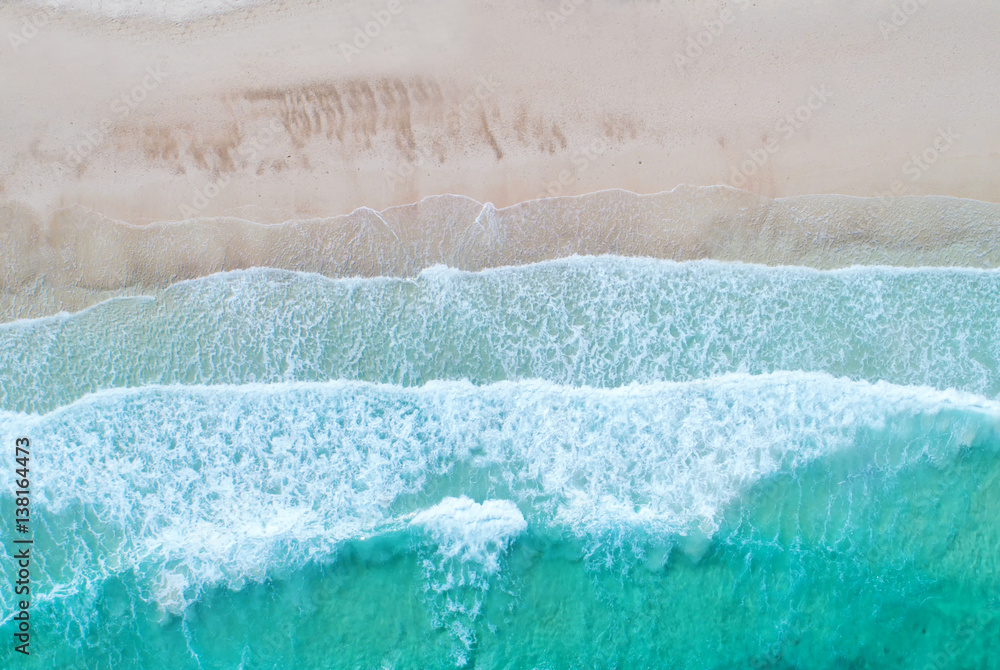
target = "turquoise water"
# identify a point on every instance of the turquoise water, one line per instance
(588, 463)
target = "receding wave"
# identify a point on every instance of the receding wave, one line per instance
(77, 258)
(600, 322)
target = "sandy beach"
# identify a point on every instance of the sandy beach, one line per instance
(292, 110)
(301, 110)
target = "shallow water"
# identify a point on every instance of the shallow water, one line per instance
(597, 321)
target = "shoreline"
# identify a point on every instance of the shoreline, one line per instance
(78, 257)
(138, 151)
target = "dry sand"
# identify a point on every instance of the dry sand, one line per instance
(563, 98)
(278, 114)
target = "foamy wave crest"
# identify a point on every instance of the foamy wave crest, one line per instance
(470, 538)
(596, 321)
(187, 487)
(472, 532)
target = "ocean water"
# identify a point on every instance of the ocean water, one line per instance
(594, 462)
(597, 321)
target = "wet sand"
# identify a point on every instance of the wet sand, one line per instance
(76, 257)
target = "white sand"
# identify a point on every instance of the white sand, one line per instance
(262, 111)
(283, 113)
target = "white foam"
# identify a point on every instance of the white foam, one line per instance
(194, 486)
(472, 531)
(596, 321)
(470, 537)
(653, 266)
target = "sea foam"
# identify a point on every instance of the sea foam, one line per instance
(471, 531)
(471, 537)
(188, 487)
